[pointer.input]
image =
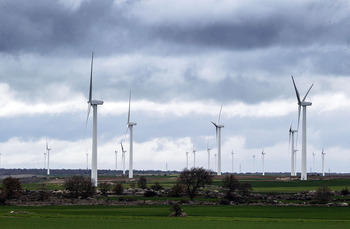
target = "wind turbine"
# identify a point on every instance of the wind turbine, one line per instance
(87, 161)
(215, 162)
(263, 162)
(218, 139)
(45, 160)
(123, 157)
(186, 159)
(48, 158)
(313, 162)
(293, 151)
(254, 163)
(303, 104)
(116, 160)
(208, 150)
(232, 155)
(323, 153)
(130, 125)
(93, 104)
(194, 157)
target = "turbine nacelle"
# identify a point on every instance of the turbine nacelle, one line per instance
(303, 103)
(95, 102)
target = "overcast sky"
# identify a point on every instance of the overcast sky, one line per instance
(181, 60)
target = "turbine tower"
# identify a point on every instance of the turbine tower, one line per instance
(194, 157)
(232, 155)
(186, 159)
(215, 162)
(116, 160)
(45, 160)
(93, 104)
(208, 150)
(48, 158)
(87, 161)
(293, 152)
(313, 162)
(323, 153)
(218, 139)
(303, 104)
(130, 126)
(263, 162)
(123, 157)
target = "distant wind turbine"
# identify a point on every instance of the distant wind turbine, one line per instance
(194, 157)
(293, 151)
(323, 153)
(232, 155)
(48, 158)
(87, 161)
(254, 164)
(130, 126)
(93, 104)
(123, 157)
(218, 139)
(313, 162)
(303, 104)
(208, 150)
(45, 160)
(263, 162)
(186, 159)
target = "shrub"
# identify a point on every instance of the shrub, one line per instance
(79, 186)
(142, 182)
(149, 193)
(323, 194)
(245, 189)
(345, 191)
(177, 190)
(176, 210)
(156, 186)
(118, 189)
(104, 187)
(12, 187)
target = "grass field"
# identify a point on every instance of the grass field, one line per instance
(157, 217)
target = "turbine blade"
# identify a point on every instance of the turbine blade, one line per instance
(307, 92)
(122, 146)
(290, 133)
(219, 114)
(296, 90)
(90, 91)
(87, 119)
(299, 111)
(47, 146)
(129, 108)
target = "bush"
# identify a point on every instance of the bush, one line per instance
(104, 187)
(176, 210)
(142, 182)
(177, 190)
(245, 189)
(79, 186)
(12, 188)
(323, 194)
(149, 193)
(118, 189)
(345, 191)
(156, 186)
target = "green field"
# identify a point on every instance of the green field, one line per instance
(157, 217)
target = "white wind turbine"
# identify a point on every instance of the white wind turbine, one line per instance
(116, 160)
(130, 125)
(293, 151)
(323, 153)
(194, 157)
(93, 104)
(186, 159)
(218, 139)
(123, 157)
(313, 162)
(263, 162)
(215, 162)
(87, 161)
(253, 163)
(232, 155)
(208, 150)
(303, 104)
(48, 158)
(45, 160)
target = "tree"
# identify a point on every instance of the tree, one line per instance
(118, 189)
(245, 188)
(194, 179)
(11, 187)
(79, 186)
(231, 183)
(142, 182)
(177, 190)
(323, 194)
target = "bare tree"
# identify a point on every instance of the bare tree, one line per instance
(194, 179)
